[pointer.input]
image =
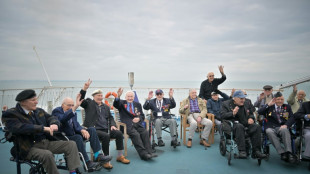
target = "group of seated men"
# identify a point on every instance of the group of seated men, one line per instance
(34, 127)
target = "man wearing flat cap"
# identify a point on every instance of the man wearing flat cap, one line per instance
(160, 108)
(239, 112)
(98, 115)
(34, 129)
(265, 97)
(279, 119)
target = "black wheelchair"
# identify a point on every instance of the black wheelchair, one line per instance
(164, 128)
(266, 143)
(299, 143)
(228, 144)
(35, 166)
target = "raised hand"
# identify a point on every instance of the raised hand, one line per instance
(171, 93)
(78, 102)
(295, 88)
(235, 111)
(221, 68)
(4, 108)
(272, 102)
(87, 84)
(150, 95)
(119, 92)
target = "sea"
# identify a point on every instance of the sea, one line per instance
(61, 89)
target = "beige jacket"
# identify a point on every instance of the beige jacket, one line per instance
(201, 104)
(292, 100)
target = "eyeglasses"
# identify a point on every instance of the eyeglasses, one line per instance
(70, 105)
(267, 89)
(211, 75)
(159, 94)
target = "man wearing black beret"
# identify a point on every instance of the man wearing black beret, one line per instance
(34, 128)
(279, 119)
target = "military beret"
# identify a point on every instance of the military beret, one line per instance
(213, 93)
(278, 94)
(25, 94)
(267, 87)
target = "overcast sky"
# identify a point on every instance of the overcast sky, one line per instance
(157, 39)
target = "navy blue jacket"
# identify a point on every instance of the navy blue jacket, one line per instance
(166, 106)
(125, 116)
(214, 107)
(269, 112)
(64, 118)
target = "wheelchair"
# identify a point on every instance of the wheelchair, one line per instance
(228, 144)
(266, 143)
(299, 143)
(164, 128)
(35, 166)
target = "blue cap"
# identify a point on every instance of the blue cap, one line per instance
(239, 94)
(159, 91)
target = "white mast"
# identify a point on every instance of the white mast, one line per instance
(48, 79)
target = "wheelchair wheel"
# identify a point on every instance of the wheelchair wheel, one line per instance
(229, 158)
(222, 147)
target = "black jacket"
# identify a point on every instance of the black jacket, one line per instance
(206, 87)
(20, 124)
(92, 112)
(302, 111)
(227, 112)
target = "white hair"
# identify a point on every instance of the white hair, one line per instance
(130, 92)
(192, 89)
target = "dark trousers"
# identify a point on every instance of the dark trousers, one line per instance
(140, 139)
(93, 140)
(105, 137)
(253, 131)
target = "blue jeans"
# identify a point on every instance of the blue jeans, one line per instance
(93, 139)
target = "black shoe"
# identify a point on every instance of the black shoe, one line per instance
(291, 158)
(146, 156)
(103, 159)
(160, 143)
(284, 157)
(174, 143)
(92, 166)
(242, 154)
(260, 155)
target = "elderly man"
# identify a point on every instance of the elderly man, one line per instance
(265, 97)
(75, 132)
(296, 99)
(132, 115)
(239, 112)
(214, 105)
(211, 84)
(160, 108)
(98, 115)
(279, 119)
(304, 113)
(195, 110)
(34, 129)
